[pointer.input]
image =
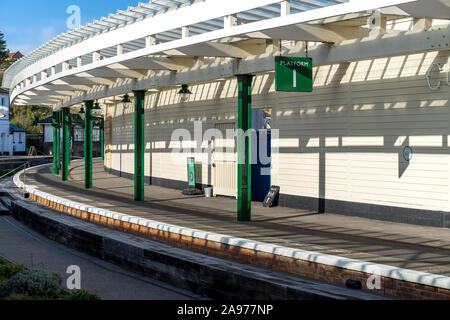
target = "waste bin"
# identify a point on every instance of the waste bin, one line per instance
(208, 192)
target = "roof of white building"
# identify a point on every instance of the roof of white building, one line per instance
(46, 121)
(15, 128)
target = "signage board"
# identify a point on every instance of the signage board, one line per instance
(293, 74)
(272, 197)
(191, 172)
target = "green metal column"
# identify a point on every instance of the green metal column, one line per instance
(70, 139)
(66, 144)
(244, 203)
(102, 137)
(139, 128)
(56, 126)
(88, 145)
(60, 125)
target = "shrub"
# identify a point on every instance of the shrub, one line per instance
(33, 283)
(83, 295)
(7, 271)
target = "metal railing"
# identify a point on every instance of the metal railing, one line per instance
(26, 165)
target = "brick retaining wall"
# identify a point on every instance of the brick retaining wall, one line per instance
(318, 271)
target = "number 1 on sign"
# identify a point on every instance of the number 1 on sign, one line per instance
(295, 79)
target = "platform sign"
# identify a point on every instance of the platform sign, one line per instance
(293, 74)
(191, 172)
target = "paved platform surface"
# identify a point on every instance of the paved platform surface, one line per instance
(21, 245)
(425, 249)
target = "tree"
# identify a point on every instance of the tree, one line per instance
(3, 50)
(27, 117)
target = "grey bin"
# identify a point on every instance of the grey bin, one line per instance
(208, 192)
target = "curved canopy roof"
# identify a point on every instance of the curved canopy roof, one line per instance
(148, 10)
(172, 35)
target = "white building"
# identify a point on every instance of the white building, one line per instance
(76, 138)
(6, 146)
(18, 140)
(47, 129)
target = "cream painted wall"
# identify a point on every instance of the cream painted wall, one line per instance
(344, 141)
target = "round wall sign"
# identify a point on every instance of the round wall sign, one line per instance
(407, 153)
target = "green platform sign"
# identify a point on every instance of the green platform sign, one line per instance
(191, 172)
(293, 74)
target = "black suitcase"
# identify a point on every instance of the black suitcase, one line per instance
(272, 197)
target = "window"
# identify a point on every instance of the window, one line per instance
(3, 102)
(20, 138)
(78, 134)
(48, 135)
(96, 135)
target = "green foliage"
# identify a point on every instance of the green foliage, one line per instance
(7, 271)
(24, 297)
(4, 64)
(83, 295)
(3, 50)
(27, 117)
(33, 283)
(18, 283)
(18, 297)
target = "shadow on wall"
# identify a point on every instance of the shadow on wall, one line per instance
(375, 106)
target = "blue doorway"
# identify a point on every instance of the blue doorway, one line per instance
(261, 172)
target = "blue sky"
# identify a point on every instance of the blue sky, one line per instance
(27, 24)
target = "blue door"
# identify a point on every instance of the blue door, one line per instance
(261, 178)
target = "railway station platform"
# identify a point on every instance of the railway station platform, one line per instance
(412, 261)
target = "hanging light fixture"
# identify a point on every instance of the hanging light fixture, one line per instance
(75, 119)
(184, 89)
(82, 113)
(126, 99)
(97, 109)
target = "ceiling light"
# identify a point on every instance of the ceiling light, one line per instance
(184, 89)
(126, 99)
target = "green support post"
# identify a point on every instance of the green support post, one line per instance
(58, 136)
(60, 139)
(244, 203)
(56, 126)
(66, 144)
(139, 100)
(88, 145)
(102, 137)
(70, 139)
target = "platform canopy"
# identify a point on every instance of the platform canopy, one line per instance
(129, 50)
